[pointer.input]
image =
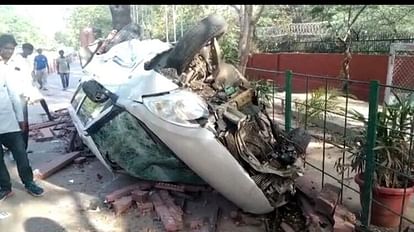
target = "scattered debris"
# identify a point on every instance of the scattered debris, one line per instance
(125, 191)
(287, 228)
(309, 208)
(4, 214)
(80, 160)
(145, 208)
(47, 169)
(39, 126)
(140, 196)
(196, 224)
(47, 135)
(121, 205)
(409, 229)
(327, 200)
(167, 186)
(166, 216)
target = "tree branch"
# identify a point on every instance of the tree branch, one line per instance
(352, 22)
(348, 25)
(357, 15)
(255, 19)
(236, 8)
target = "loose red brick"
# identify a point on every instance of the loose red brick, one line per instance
(145, 208)
(165, 215)
(125, 191)
(343, 226)
(79, 160)
(286, 227)
(169, 202)
(235, 214)
(38, 126)
(46, 135)
(121, 205)
(47, 169)
(345, 214)
(167, 186)
(146, 185)
(327, 200)
(196, 188)
(196, 224)
(313, 217)
(139, 196)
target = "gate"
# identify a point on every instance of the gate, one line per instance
(400, 70)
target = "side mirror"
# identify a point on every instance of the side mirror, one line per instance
(97, 92)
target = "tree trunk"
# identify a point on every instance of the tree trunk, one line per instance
(245, 36)
(247, 26)
(121, 16)
(166, 24)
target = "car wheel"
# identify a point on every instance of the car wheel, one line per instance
(194, 40)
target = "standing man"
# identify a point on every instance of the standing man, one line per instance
(11, 117)
(63, 69)
(28, 93)
(41, 69)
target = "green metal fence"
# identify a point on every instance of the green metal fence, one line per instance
(348, 136)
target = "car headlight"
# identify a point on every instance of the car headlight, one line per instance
(180, 107)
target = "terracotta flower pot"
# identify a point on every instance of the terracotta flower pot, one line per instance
(391, 198)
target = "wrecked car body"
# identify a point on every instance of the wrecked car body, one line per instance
(181, 114)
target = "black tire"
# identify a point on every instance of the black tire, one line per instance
(195, 39)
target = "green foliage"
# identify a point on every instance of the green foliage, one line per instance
(316, 104)
(392, 147)
(21, 27)
(265, 89)
(62, 38)
(94, 16)
(375, 21)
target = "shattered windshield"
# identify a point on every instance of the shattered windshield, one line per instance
(124, 140)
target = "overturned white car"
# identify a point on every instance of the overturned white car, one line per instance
(180, 114)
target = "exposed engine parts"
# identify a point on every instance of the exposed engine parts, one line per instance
(269, 155)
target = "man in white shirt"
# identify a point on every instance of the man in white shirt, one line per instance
(11, 118)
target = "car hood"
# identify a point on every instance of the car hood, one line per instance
(121, 70)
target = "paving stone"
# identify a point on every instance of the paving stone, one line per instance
(44, 170)
(308, 187)
(79, 160)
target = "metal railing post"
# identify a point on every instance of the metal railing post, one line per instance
(288, 100)
(369, 153)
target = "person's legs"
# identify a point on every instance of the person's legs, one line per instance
(62, 79)
(44, 79)
(5, 184)
(38, 76)
(67, 79)
(25, 130)
(46, 109)
(14, 141)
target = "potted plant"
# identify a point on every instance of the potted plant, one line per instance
(393, 156)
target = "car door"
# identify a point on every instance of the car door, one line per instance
(88, 116)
